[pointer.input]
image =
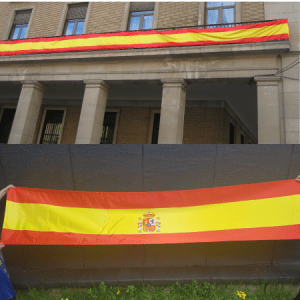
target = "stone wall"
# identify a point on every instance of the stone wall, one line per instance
(252, 11)
(105, 17)
(176, 14)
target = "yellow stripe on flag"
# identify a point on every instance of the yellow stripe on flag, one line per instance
(280, 211)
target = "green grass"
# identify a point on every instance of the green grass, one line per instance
(205, 291)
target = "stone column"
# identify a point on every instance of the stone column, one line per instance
(27, 112)
(172, 111)
(268, 109)
(92, 112)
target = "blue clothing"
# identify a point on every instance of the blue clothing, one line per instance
(6, 289)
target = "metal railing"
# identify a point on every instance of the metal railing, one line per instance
(174, 28)
(223, 25)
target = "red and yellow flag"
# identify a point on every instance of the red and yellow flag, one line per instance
(263, 211)
(266, 31)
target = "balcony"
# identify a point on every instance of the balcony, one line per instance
(227, 38)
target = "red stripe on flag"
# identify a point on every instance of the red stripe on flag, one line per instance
(137, 200)
(54, 238)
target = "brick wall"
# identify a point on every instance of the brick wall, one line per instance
(71, 125)
(176, 14)
(133, 126)
(252, 11)
(203, 126)
(4, 15)
(106, 17)
(46, 19)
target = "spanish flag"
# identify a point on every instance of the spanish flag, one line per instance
(253, 33)
(263, 211)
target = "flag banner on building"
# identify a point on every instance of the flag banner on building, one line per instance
(266, 31)
(263, 211)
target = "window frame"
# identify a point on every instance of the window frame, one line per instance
(220, 13)
(151, 123)
(75, 27)
(19, 34)
(140, 14)
(9, 106)
(43, 121)
(9, 27)
(116, 125)
(126, 16)
(63, 18)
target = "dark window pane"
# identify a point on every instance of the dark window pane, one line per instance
(134, 23)
(212, 16)
(108, 128)
(142, 6)
(22, 17)
(242, 139)
(79, 28)
(16, 31)
(70, 28)
(77, 11)
(147, 22)
(52, 126)
(22, 36)
(228, 15)
(231, 134)
(6, 124)
(155, 128)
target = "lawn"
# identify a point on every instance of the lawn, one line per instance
(178, 291)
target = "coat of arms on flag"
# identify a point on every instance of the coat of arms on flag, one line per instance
(149, 224)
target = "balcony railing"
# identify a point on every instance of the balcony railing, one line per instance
(175, 28)
(223, 25)
(273, 30)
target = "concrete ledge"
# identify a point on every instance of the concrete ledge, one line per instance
(278, 46)
(22, 278)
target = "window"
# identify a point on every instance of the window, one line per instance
(220, 12)
(52, 128)
(155, 129)
(20, 25)
(141, 16)
(108, 128)
(6, 122)
(231, 133)
(75, 19)
(154, 125)
(242, 139)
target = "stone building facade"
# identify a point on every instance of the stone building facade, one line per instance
(214, 94)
